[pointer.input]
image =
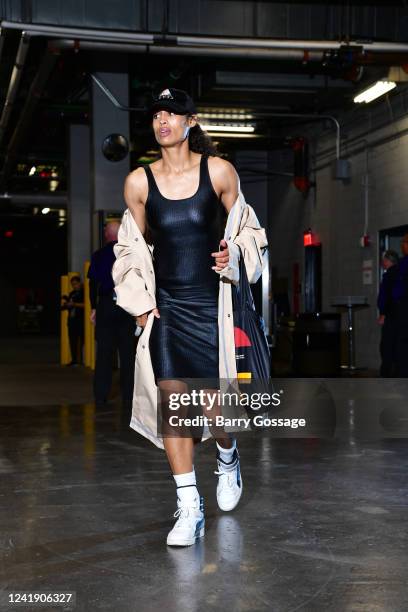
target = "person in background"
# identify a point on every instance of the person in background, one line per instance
(387, 316)
(400, 296)
(74, 303)
(114, 328)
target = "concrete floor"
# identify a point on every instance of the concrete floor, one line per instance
(86, 504)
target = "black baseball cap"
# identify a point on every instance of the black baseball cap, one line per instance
(175, 100)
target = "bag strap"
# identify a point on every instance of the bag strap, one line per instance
(242, 298)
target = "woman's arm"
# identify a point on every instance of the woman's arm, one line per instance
(135, 194)
(226, 184)
(225, 181)
(251, 238)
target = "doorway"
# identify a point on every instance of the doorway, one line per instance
(390, 239)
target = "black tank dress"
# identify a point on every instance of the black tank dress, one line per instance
(184, 340)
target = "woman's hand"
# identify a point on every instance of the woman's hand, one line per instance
(141, 320)
(221, 257)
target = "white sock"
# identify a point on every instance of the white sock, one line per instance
(226, 453)
(186, 486)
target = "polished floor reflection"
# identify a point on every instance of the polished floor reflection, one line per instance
(86, 505)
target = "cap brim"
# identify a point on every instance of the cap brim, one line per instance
(169, 105)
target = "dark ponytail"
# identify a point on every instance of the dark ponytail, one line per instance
(200, 142)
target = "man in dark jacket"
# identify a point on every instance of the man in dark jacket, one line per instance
(115, 328)
(387, 318)
(400, 295)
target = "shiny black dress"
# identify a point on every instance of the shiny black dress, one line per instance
(184, 340)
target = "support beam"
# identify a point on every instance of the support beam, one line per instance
(109, 176)
(79, 197)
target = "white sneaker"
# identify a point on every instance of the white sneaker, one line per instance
(229, 488)
(190, 523)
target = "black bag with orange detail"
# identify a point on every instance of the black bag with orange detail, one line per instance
(251, 346)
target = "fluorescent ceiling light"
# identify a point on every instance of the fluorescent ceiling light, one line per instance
(227, 116)
(224, 114)
(374, 91)
(233, 135)
(228, 128)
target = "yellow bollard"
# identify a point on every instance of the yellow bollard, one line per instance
(65, 352)
(89, 329)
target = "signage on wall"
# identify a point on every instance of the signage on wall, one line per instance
(368, 272)
(310, 238)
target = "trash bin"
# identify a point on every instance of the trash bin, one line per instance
(316, 344)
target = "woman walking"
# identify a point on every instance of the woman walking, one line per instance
(176, 296)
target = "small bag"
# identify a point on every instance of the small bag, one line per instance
(251, 346)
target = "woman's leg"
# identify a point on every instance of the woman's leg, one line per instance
(180, 453)
(177, 440)
(179, 445)
(229, 487)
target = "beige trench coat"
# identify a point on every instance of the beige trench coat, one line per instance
(134, 280)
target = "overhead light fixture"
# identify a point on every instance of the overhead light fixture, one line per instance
(229, 115)
(228, 128)
(45, 211)
(32, 171)
(375, 91)
(233, 135)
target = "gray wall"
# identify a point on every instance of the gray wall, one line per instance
(336, 212)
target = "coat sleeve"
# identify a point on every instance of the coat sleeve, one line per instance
(252, 241)
(131, 291)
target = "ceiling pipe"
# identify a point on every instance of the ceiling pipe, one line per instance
(14, 82)
(80, 33)
(154, 49)
(309, 45)
(112, 98)
(27, 112)
(312, 117)
(1, 42)
(58, 200)
(305, 116)
(106, 36)
(296, 55)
